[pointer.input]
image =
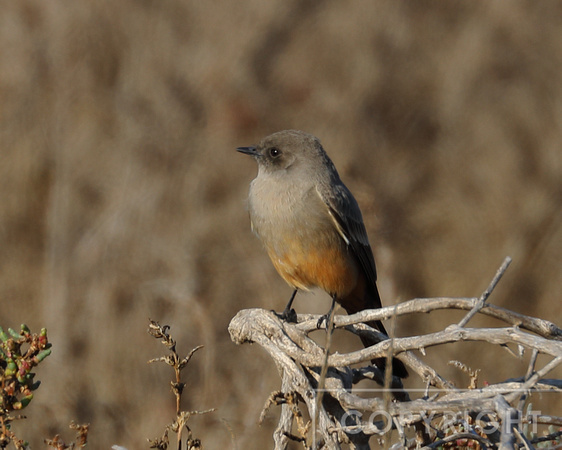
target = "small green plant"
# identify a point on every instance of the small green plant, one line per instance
(19, 354)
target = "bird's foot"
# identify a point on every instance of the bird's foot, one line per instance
(289, 315)
(323, 321)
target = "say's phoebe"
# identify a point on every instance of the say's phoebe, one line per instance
(311, 225)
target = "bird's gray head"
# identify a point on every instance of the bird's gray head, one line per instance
(289, 150)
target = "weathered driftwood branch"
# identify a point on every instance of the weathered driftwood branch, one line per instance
(490, 416)
(541, 327)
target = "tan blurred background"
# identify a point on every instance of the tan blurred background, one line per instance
(122, 196)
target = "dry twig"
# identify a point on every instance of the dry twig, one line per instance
(179, 425)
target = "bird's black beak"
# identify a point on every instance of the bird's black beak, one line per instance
(252, 151)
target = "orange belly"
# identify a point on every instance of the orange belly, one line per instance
(332, 269)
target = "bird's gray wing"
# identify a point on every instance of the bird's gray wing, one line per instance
(345, 213)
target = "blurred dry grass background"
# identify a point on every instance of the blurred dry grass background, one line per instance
(122, 197)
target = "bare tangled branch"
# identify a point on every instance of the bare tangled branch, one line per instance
(491, 416)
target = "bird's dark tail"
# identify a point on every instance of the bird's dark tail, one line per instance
(398, 367)
(369, 299)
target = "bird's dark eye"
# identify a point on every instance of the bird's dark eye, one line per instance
(274, 152)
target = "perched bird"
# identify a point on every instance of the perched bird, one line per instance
(312, 227)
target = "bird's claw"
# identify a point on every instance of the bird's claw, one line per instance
(323, 319)
(289, 315)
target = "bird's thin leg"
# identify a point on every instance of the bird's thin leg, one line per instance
(289, 314)
(326, 317)
(288, 307)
